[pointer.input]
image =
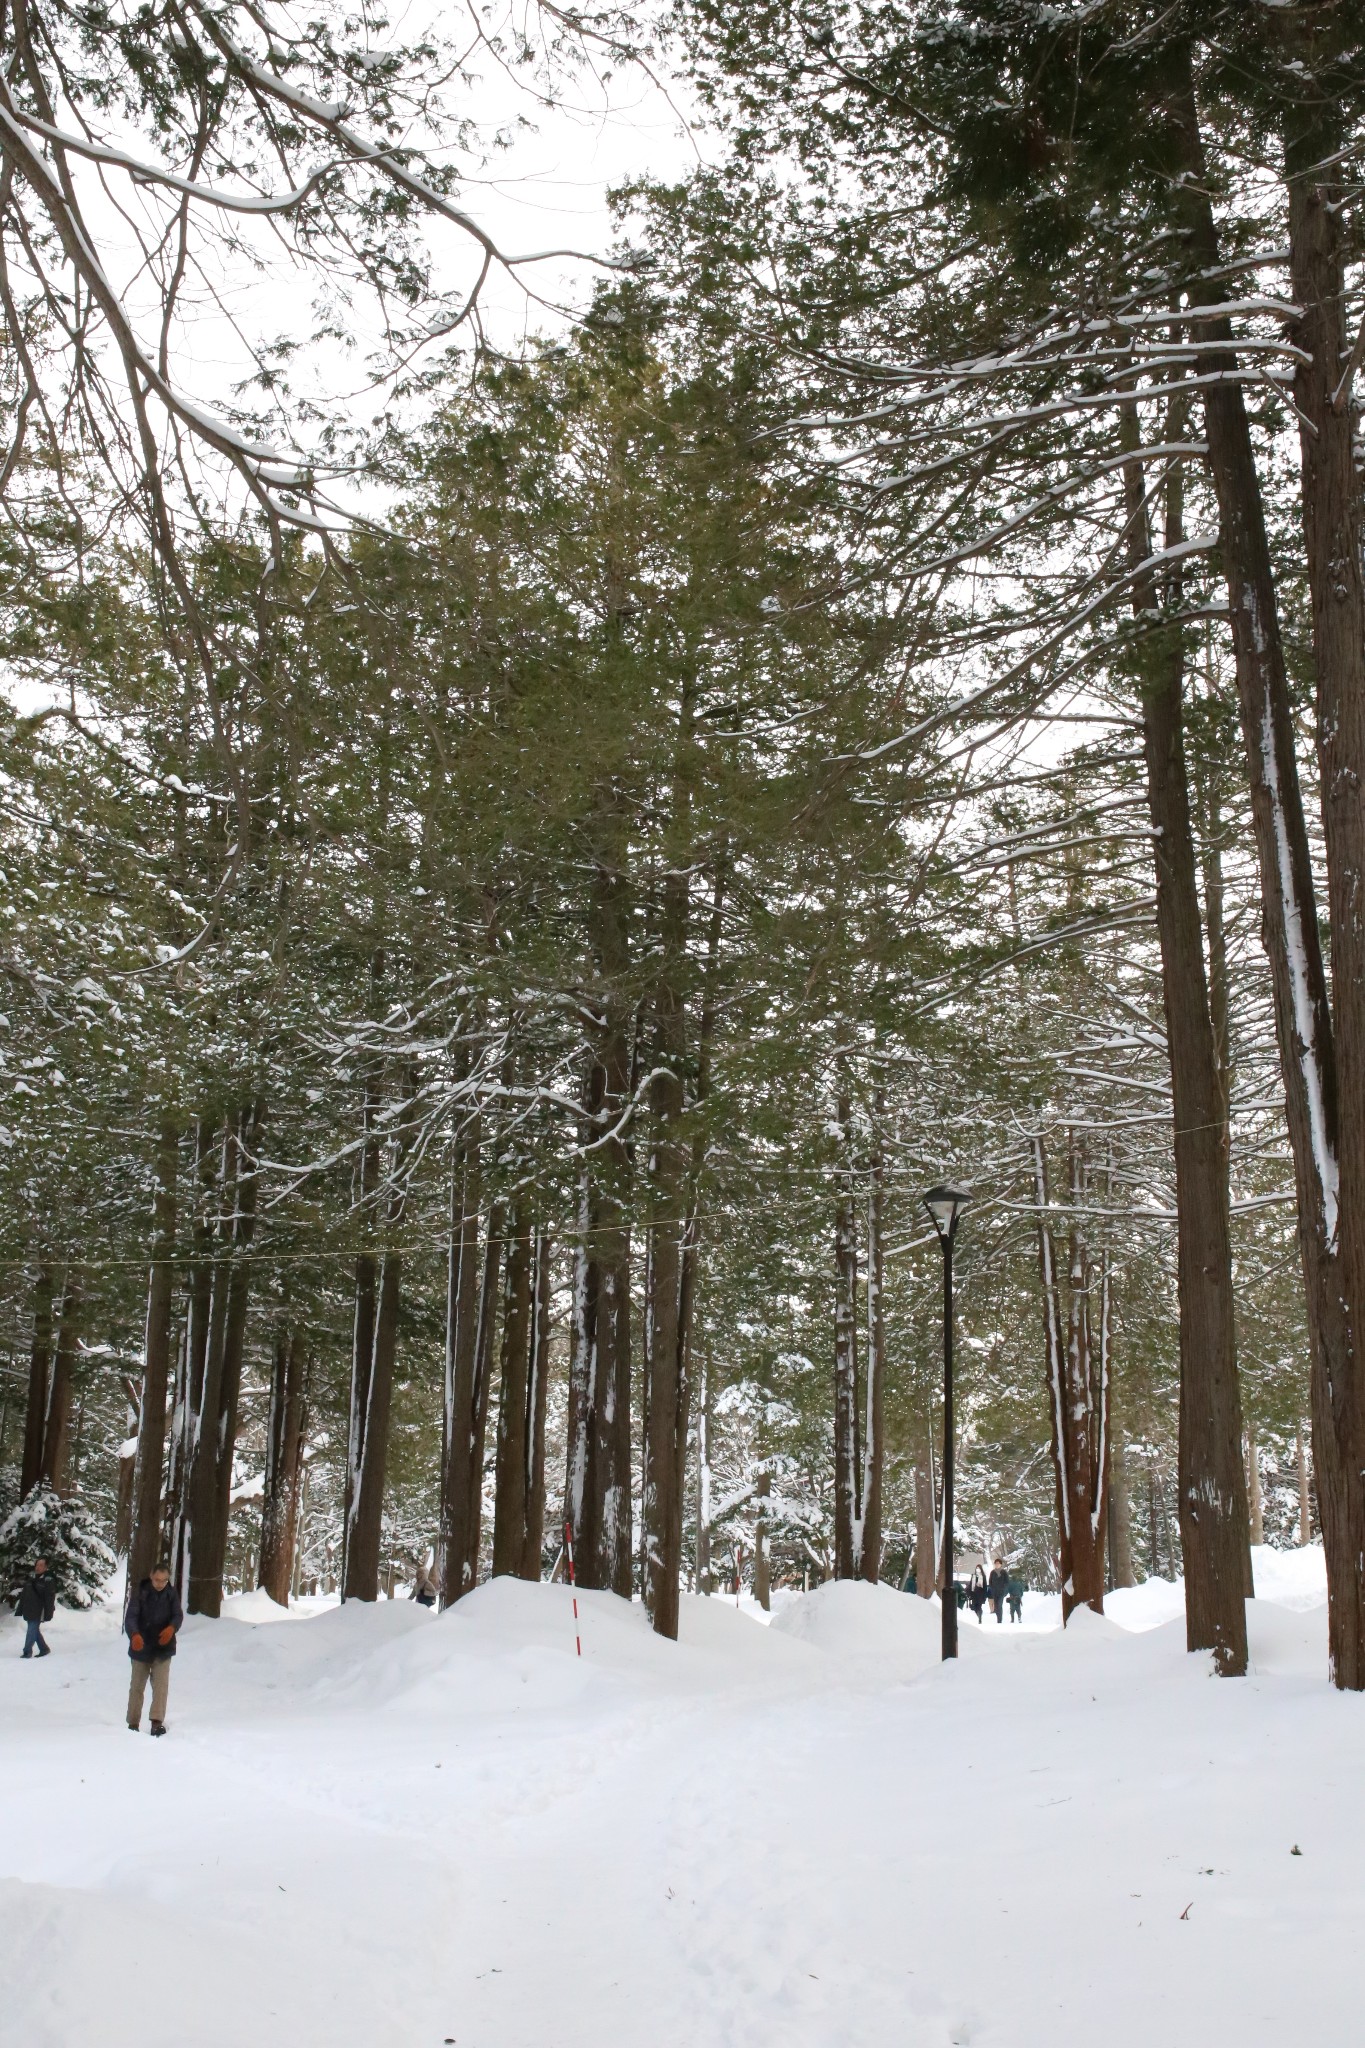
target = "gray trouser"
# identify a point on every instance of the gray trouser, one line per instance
(159, 1671)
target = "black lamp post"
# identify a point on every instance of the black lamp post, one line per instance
(945, 1204)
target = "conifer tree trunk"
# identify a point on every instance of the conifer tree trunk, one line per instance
(188, 1409)
(39, 1370)
(537, 1385)
(762, 1561)
(1329, 424)
(212, 1421)
(372, 1396)
(509, 1498)
(845, 1361)
(661, 1509)
(1120, 1524)
(286, 1434)
(57, 1433)
(485, 1325)
(461, 1472)
(870, 1541)
(579, 1502)
(1213, 1516)
(1078, 1394)
(145, 1540)
(602, 1534)
(926, 1529)
(1289, 923)
(1255, 1502)
(705, 1577)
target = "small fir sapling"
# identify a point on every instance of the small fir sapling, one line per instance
(45, 1525)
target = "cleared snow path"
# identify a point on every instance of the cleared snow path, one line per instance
(375, 1826)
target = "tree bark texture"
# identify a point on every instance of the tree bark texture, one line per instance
(1332, 520)
(39, 1373)
(537, 1385)
(845, 1361)
(374, 1350)
(509, 1495)
(1120, 1523)
(1213, 1514)
(1289, 925)
(57, 1432)
(600, 1493)
(1255, 1502)
(661, 1509)
(145, 1541)
(211, 1422)
(926, 1521)
(1078, 1390)
(462, 1461)
(286, 1435)
(870, 1525)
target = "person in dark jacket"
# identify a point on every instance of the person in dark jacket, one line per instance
(976, 1592)
(37, 1604)
(153, 1618)
(1016, 1590)
(997, 1586)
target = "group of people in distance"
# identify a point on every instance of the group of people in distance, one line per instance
(151, 1621)
(994, 1592)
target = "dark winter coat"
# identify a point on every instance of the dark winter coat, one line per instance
(38, 1598)
(148, 1613)
(997, 1586)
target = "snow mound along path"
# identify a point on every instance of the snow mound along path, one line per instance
(872, 1630)
(382, 1828)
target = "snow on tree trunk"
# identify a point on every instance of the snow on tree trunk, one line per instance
(1332, 527)
(145, 1541)
(1213, 1513)
(188, 1407)
(40, 1366)
(1289, 925)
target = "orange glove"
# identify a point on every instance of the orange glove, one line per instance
(167, 1634)
(137, 1643)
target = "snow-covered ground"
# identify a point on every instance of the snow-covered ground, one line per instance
(376, 1826)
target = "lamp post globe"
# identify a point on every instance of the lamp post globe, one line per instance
(945, 1204)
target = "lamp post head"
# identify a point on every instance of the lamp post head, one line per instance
(945, 1204)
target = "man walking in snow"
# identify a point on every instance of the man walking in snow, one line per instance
(37, 1604)
(154, 1615)
(997, 1585)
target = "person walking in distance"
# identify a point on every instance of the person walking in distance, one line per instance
(976, 1592)
(997, 1586)
(37, 1604)
(1016, 1590)
(153, 1618)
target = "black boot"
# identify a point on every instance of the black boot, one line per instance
(158, 1727)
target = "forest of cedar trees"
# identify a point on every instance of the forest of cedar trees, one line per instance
(529, 840)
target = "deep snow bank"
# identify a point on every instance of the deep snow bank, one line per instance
(381, 1828)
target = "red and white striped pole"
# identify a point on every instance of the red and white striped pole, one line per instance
(573, 1586)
